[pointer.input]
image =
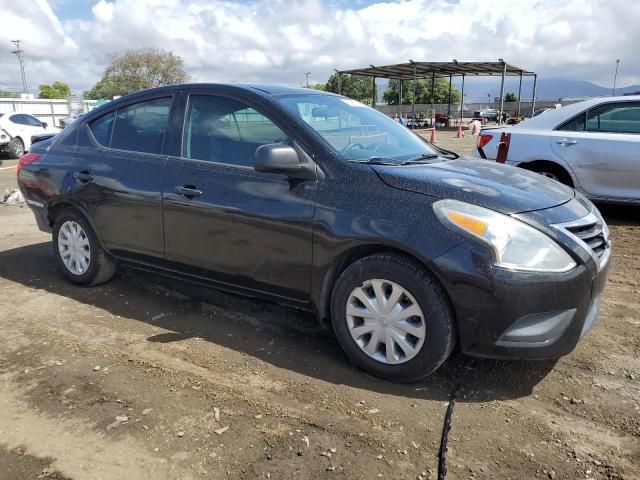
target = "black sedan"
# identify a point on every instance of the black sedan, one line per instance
(317, 201)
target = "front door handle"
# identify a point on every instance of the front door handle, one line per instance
(83, 176)
(566, 141)
(188, 191)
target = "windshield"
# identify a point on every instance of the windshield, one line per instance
(355, 131)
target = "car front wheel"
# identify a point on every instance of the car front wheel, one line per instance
(78, 251)
(392, 318)
(16, 148)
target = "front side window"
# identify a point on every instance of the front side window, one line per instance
(223, 130)
(355, 131)
(141, 127)
(614, 118)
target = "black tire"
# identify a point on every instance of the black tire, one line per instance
(101, 266)
(430, 296)
(16, 147)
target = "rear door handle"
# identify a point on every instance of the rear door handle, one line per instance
(187, 191)
(83, 176)
(566, 141)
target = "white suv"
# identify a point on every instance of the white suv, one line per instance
(16, 130)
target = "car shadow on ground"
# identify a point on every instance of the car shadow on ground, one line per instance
(620, 214)
(286, 338)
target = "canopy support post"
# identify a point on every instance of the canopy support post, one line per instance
(462, 100)
(504, 74)
(373, 100)
(433, 85)
(413, 106)
(449, 108)
(519, 94)
(533, 100)
(400, 99)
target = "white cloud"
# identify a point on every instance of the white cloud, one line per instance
(277, 40)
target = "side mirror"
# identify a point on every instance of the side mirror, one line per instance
(284, 159)
(45, 125)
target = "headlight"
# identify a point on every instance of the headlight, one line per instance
(514, 244)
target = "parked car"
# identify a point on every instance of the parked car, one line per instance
(486, 115)
(66, 121)
(593, 146)
(317, 201)
(16, 130)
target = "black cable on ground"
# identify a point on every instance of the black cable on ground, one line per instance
(442, 455)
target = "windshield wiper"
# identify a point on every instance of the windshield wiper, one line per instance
(419, 159)
(375, 161)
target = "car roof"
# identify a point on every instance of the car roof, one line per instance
(554, 117)
(263, 89)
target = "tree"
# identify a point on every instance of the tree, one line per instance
(58, 90)
(423, 92)
(135, 70)
(510, 97)
(353, 86)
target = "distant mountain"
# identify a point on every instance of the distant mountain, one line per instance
(478, 89)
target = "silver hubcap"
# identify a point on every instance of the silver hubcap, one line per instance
(385, 321)
(74, 248)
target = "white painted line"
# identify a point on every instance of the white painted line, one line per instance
(8, 168)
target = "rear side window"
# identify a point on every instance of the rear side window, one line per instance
(615, 118)
(576, 124)
(141, 127)
(223, 130)
(101, 128)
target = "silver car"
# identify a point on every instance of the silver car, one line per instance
(593, 146)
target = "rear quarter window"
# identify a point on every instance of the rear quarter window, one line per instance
(101, 128)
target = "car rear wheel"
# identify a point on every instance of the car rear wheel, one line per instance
(392, 318)
(78, 251)
(16, 148)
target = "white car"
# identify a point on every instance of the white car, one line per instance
(16, 130)
(593, 146)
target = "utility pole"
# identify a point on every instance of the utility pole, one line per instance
(615, 78)
(307, 74)
(18, 53)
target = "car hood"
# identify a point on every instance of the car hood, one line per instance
(492, 185)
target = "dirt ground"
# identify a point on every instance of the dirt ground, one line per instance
(147, 378)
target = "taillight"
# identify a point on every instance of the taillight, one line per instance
(483, 139)
(27, 159)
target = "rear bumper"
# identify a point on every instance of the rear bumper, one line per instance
(516, 315)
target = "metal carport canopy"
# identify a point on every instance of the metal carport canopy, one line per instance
(414, 70)
(405, 71)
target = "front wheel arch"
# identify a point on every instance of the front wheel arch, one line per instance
(539, 166)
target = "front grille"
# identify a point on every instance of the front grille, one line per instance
(592, 232)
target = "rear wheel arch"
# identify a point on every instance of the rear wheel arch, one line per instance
(540, 166)
(58, 208)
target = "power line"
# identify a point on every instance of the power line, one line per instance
(18, 53)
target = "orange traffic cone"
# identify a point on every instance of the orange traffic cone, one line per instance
(433, 138)
(475, 129)
(460, 133)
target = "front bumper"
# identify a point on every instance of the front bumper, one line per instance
(505, 314)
